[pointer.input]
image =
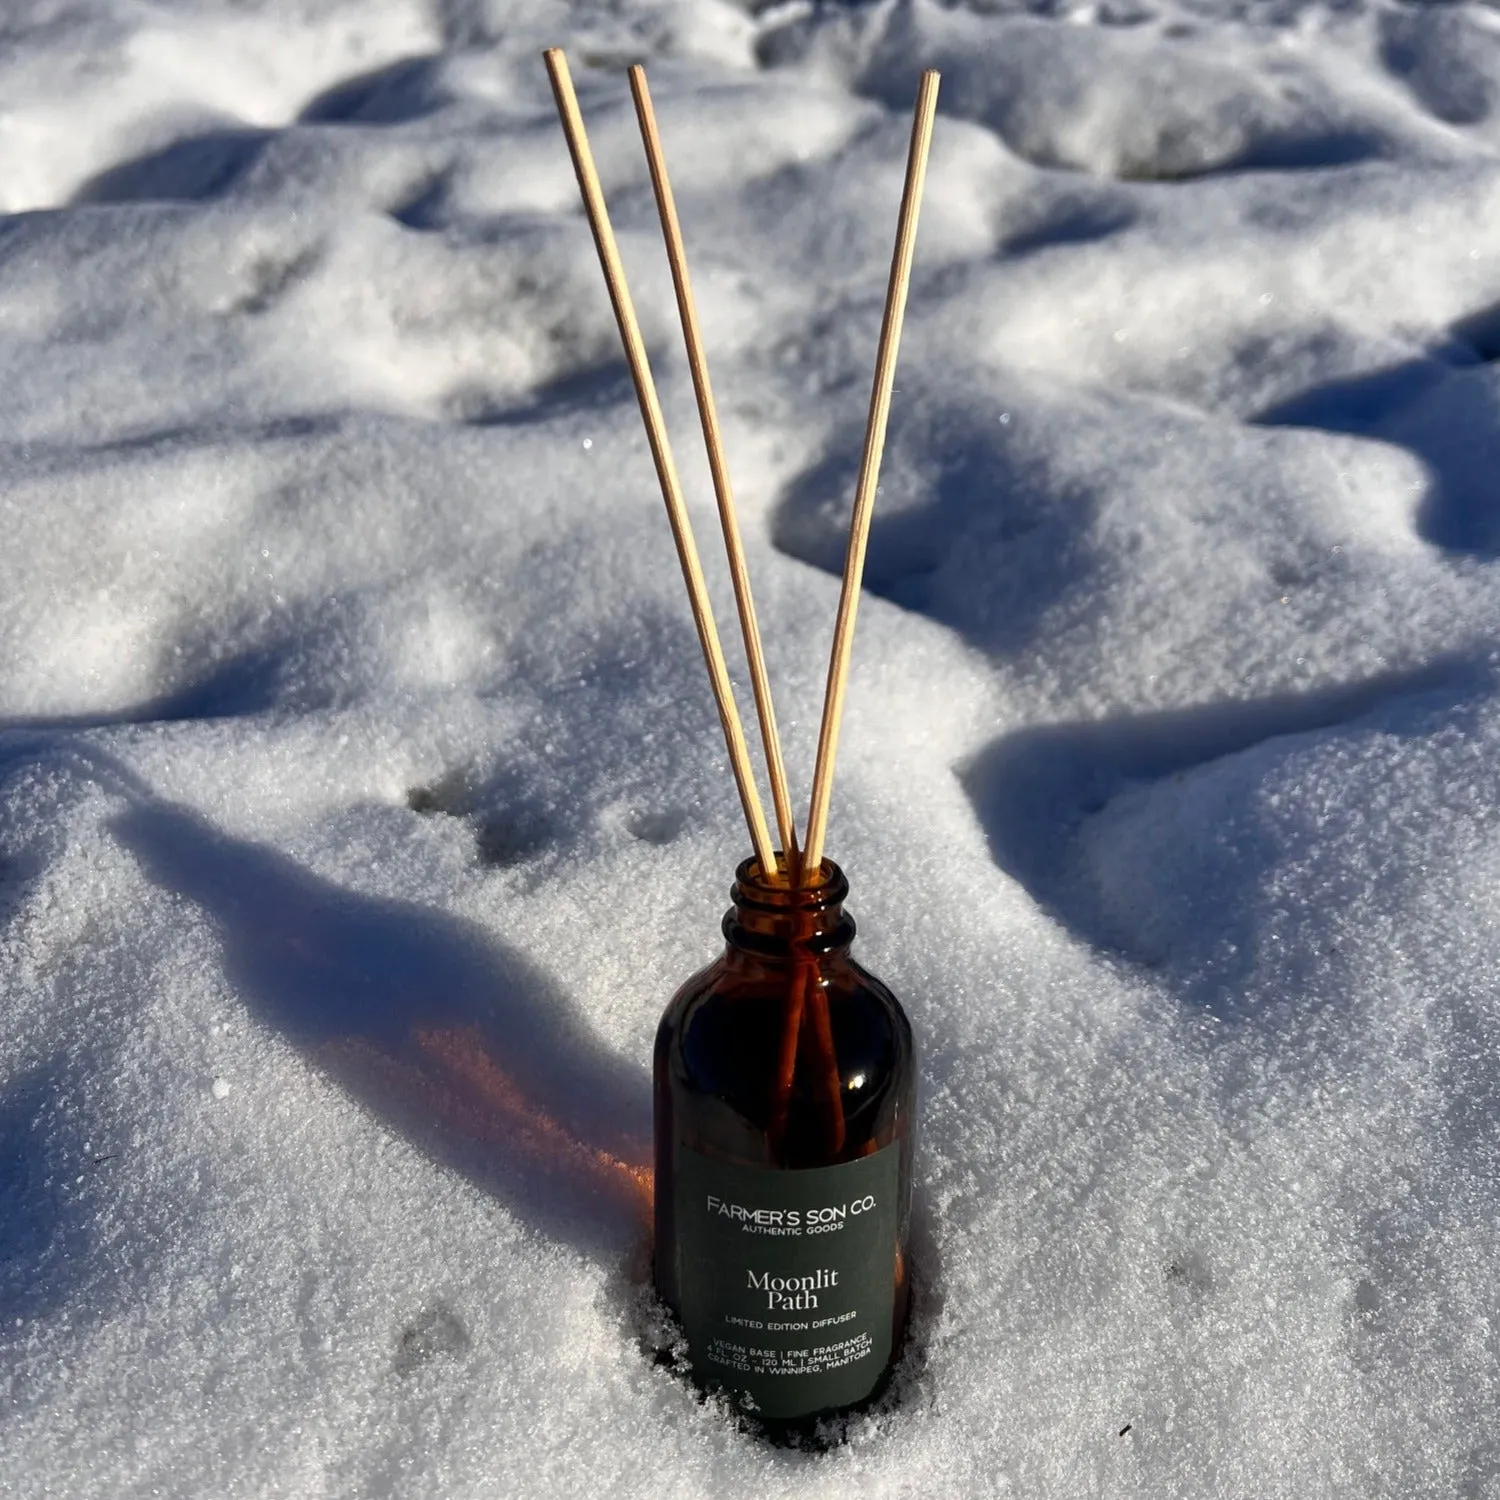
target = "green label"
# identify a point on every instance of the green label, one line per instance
(788, 1279)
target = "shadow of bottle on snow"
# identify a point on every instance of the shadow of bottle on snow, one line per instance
(429, 1022)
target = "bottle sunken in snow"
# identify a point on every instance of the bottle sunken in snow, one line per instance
(784, 1112)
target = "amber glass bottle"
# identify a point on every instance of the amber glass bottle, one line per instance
(784, 1099)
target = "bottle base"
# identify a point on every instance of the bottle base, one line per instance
(663, 1343)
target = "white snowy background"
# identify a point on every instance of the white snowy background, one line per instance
(361, 799)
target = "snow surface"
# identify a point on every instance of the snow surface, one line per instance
(361, 801)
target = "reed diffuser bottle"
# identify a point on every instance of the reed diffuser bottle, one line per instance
(784, 1077)
(784, 1094)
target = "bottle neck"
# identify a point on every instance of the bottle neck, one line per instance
(773, 920)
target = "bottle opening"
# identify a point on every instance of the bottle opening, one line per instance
(755, 890)
(750, 871)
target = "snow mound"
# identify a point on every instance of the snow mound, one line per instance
(361, 798)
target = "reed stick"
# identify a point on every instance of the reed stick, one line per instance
(869, 472)
(692, 336)
(786, 1053)
(806, 1007)
(830, 1078)
(661, 452)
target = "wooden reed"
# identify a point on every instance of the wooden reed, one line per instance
(830, 1079)
(760, 683)
(806, 1006)
(661, 452)
(869, 470)
(786, 1053)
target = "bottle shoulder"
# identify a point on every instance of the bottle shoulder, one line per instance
(749, 996)
(737, 1027)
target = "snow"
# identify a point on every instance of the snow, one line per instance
(361, 797)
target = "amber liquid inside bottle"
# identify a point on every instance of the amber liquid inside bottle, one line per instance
(784, 1113)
